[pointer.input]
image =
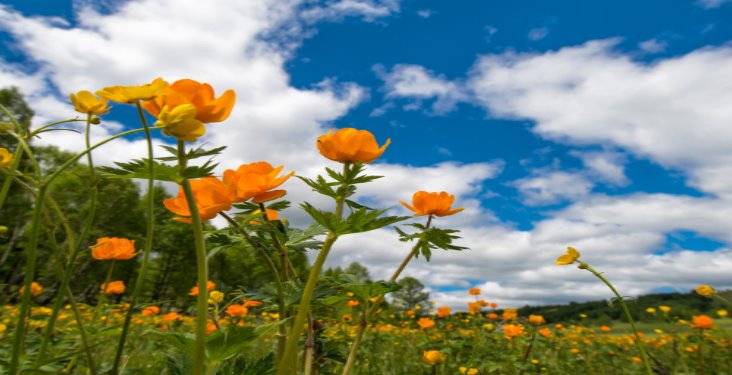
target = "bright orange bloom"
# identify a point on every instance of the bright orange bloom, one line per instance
(492, 316)
(210, 328)
(605, 329)
(349, 145)
(151, 311)
(255, 181)
(114, 287)
(512, 330)
(272, 215)
(510, 314)
(705, 290)
(636, 359)
(86, 102)
(237, 310)
(35, 290)
(426, 322)
(444, 311)
(194, 291)
(536, 320)
(200, 95)
(438, 204)
(433, 357)
(353, 303)
(702, 321)
(211, 195)
(252, 303)
(172, 316)
(472, 291)
(131, 94)
(473, 307)
(546, 332)
(113, 248)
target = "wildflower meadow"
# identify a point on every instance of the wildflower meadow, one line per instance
(88, 297)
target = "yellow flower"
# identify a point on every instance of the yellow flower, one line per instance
(3, 327)
(181, 123)
(215, 297)
(664, 308)
(200, 95)
(86, 102)
(651, 310)
(349, 145)
(722, 313)
(705, 290)
(569, 257)
(131, 94)
(433, 357)
(6, 158)
(468, 371)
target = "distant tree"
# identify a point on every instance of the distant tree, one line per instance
(411, 294)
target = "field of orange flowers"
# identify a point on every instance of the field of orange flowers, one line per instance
(300, 323)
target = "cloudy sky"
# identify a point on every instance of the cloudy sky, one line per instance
(602, 125)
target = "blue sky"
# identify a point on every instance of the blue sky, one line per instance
(603, 125)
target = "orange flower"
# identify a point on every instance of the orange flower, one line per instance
(272, 215)
(211, 195)
(252, 303)
(114, 287)
(35, 290)
(426, 322)
(200, 95)
(492, 316)
(702, 321)
(536, 320)
(510, 314)
(172, 316)
(353, 303)
(444, 311)
(349, 145)
(194, 291)
(512, 330)
(255, 181)
(210, 328)
(471, 291)
(433, 357)
(546, 332)
(113, 248)
(151, 311)
(438, 204)
(605, 329)
(236, 310)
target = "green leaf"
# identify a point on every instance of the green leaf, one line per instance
(191, 154)
(321, 186)
(140, 168)
(223, 345)
(327, 219)
(364, 220)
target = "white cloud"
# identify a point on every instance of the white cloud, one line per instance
(605, 166)
(425, 13)
(538, 33)
(652, 46)
(370, 10)
(710, 4)
(415, 81)
(551, 187)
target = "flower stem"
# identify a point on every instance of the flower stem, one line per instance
(528, 351)
(140, 282)
(282, 333)
(199, 354)
(638, 340)
(362, 327)
(286, 365)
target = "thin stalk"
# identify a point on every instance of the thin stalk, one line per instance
(282, 329)
(44, 127)
(30, 270)
(139, 283)
(362, 328)
(286, 366)
(103, 291)
(699, 361)
(528, 351)
(32, 248)
(284, 261)
(199, 354)
(638, 340)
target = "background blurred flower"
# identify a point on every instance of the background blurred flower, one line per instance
(113, 248)
(35, 290)
(705, 290)
(6, 158)
(433, 357)
(114, 287)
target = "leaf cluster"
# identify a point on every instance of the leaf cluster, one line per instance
(429, 239)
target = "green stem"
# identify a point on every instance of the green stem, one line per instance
(30, 269)
(282, 329)
(103, 291)
(140, 282)
(638, 340)
(44, 127)
(286, 365)
(528, 351)
(199, 354)
(363, 327)
(32, 248)
(284, 260)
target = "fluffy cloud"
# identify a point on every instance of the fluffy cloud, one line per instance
(553, 187)
(414, 81)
